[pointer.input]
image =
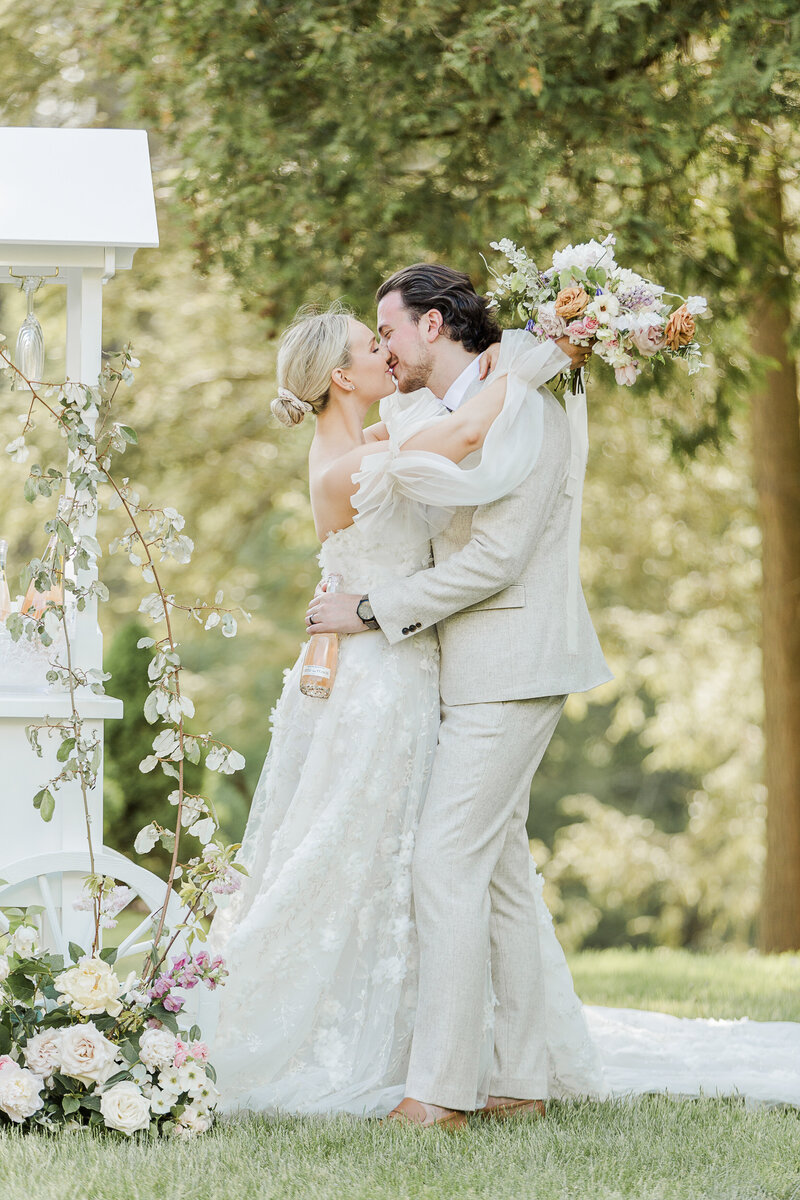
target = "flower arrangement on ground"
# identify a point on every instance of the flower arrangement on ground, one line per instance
(77, 1045)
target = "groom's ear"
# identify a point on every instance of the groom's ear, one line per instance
(432, 323)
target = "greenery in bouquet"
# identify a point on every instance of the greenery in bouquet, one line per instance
(587, 296)
(77, 1045)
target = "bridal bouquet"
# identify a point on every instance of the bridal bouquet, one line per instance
(78, 1047)
(586, 296)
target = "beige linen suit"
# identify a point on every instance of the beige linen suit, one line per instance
(498, 596)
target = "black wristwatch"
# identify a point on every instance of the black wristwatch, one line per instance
(364, 612)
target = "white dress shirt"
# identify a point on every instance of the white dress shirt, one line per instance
(458, 389)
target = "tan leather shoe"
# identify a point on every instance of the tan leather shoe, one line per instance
(500, 1108)
(416, 1112)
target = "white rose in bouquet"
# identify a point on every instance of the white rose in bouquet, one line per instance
(92, 987)
(4, 967)
(125, 1108)
(157, 1048)
(20, 1091)
(24, 941)
(43, 1052)
(192, 1120)
(86, 1054)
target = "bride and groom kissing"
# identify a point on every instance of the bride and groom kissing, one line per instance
(390, 950)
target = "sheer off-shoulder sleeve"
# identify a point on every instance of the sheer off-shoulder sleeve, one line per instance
(429, 485)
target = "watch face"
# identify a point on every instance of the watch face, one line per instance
(364, 610)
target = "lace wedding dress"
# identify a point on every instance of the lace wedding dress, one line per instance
(317, 1012)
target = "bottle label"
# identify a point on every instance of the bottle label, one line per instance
(317, 672)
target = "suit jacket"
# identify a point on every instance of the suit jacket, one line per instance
(498, 590)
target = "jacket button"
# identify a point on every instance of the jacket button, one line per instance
(405, 631)
(418, 625)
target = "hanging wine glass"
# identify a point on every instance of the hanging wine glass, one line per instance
(29, 353)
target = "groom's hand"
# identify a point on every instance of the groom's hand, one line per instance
(334, 614)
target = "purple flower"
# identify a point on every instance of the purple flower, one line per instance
(173, 1003)
(529, 326)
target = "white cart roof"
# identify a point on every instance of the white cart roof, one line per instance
(74, 188)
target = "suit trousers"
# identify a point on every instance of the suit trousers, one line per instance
(474, 905)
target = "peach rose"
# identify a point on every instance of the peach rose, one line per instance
(570, 302)
(680, 328)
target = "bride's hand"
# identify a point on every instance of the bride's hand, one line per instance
(488, 360)
(578, 354)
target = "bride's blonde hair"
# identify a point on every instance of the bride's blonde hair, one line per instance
(313, 346)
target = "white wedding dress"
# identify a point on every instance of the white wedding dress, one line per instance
(317, 1012)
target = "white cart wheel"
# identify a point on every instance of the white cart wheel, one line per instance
(54, 880)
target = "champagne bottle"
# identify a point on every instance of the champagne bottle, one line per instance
(322, 656)
(35, 602)
(5, 598)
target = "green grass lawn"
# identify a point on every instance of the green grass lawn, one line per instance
(650, 1149)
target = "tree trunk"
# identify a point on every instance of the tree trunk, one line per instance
(776, 455)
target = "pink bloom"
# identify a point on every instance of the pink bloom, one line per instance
(5, 1059)
(160, 987)
(201, 959)
(200, 1051)
(217, 962)
(173, 1003)
(626, 375)
(179, 963)
(154, 1023)
(181, 1053)
(649, 341)
(553, 325)
(585, 328)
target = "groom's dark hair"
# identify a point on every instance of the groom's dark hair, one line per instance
(466, 318)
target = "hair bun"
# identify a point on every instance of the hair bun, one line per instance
(290, 409)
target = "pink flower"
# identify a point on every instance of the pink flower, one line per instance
(200, 1051)
(179, 963)
(173, 1003)
(217, 962)
(182, 1052)
(585, 328)
(553, 325)
(650, 340)
(626, 376)
(5, 1059)
(201, 959)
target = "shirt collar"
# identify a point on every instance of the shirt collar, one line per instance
(457, 390)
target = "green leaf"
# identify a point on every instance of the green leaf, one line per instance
(70, 1104)
(129, 434)
(109, 954)
(65, 749)
(75, 951)
(5, 1039)
(48, 807)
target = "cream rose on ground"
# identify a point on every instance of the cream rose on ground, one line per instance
(92, 987)
(43, 1052)
(157, 1048)
(19, 1092)
(86, 1054)
(125, 1108)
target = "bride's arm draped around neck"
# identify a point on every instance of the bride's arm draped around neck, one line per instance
(426, 444)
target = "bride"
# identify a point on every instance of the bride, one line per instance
(318, 1009)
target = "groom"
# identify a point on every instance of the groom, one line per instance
(498, 594)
